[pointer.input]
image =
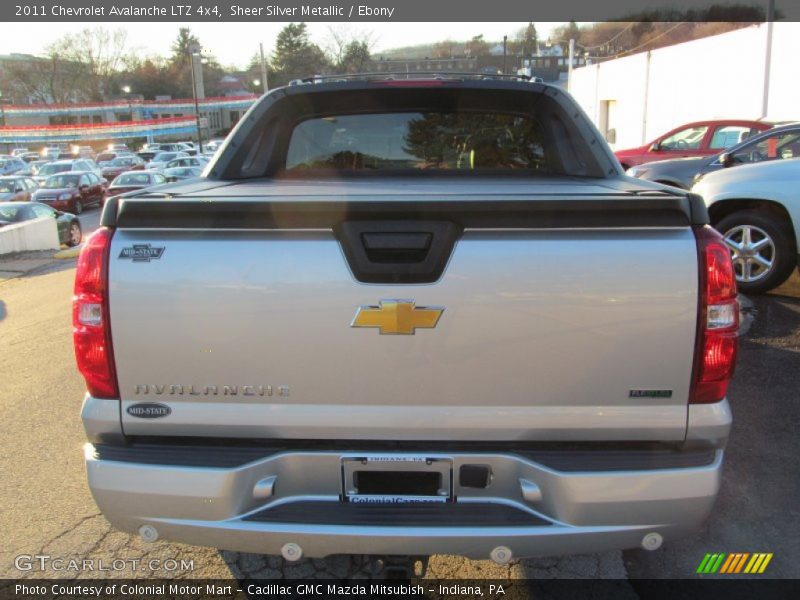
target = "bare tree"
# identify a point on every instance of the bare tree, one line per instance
(99, 52)
(349, 50)
(42, 80)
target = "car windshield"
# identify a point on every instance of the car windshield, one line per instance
(778, 146)
(61, 181)
(686, 139)
(106, 156)
(53, 168)
(417, 140)
(165, 156)
(121, 162)
(9, 213)
(133, 179)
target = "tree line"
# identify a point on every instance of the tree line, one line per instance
(99, 64)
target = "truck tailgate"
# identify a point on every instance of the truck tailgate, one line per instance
(547, 333)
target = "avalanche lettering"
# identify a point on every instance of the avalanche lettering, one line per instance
(137, 11)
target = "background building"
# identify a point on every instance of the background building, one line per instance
(120, 119)
(748, 73)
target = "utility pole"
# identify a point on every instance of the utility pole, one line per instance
(263, 69)
(767, 58)
(571, 62)
(195, 51)
(505, 39)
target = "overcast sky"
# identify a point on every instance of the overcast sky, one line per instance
(235, 43)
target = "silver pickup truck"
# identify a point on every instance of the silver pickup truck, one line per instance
(407, 317)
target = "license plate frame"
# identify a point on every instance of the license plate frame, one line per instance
(393, 463)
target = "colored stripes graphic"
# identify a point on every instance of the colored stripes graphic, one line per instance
(214, 103)
(96, 131)
(737, 562)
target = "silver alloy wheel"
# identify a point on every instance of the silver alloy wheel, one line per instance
(752, 251)
(78, 207)
(75, 234)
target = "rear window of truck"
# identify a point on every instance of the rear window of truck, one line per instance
(439, 141)
(418, 129)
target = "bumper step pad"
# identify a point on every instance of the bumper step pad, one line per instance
(449, 514)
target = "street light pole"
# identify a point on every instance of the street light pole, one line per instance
(192, 54)
(571, 64)
(263, 69)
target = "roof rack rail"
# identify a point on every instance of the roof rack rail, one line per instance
(400, 75)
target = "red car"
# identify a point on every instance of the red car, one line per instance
(703, 138)
(121, 164)
(71, 192)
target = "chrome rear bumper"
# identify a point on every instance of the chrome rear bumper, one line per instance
(536, 504)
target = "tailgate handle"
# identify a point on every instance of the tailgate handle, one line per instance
(397, 250)
(397, 247)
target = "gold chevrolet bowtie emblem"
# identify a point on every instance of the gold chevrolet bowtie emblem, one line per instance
(397, 316)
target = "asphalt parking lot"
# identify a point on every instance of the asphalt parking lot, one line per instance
(48, 510)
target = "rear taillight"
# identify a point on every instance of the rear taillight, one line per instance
(90, 321)
(718, 322)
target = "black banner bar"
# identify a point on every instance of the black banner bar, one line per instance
(192, 11)
(733, 587)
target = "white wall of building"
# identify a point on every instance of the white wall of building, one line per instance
(784, 89)
(38, 234)
(717, 77)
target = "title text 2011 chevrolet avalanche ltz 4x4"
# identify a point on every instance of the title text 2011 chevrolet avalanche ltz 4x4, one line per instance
(407, 317)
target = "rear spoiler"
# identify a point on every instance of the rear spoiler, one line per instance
(644, 209)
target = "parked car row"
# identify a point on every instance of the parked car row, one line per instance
(107, 164)
(35, 185)
(72, 190)
(703, 138)
(773, 144)
(146, 152)
(756, 206)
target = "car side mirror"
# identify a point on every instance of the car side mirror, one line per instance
(83, 186)
(18, 189)
(655, 146)
(726, 159)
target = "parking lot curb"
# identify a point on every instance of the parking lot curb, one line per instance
(68, 253)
